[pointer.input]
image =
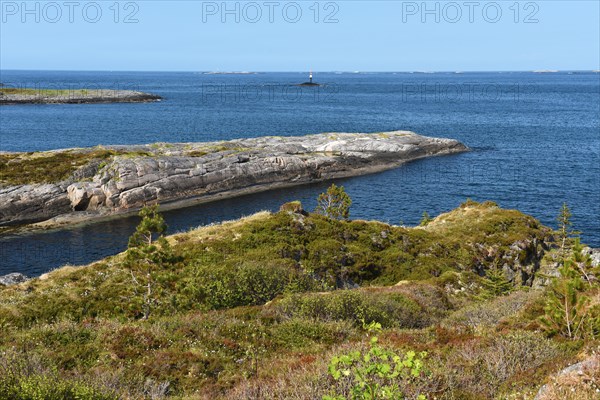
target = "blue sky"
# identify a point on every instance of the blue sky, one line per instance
(343, 36)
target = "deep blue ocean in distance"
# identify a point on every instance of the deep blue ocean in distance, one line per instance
(535, 140)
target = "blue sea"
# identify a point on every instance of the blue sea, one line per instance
(535, 140)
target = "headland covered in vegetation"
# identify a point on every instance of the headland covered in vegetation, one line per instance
(477, 303)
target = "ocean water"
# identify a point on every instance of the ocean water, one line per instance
(535, 141)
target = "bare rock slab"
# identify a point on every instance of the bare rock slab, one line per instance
(179, 174)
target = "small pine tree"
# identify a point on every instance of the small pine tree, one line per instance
(495, 284)
(567, 312)
(582, 262)
(148, 252)
(425, 219)
(335, 203)
(565, 230)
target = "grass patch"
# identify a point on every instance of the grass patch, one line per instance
(47, 92)
(230, 147)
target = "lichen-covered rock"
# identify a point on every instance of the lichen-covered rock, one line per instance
(168, 173)
(594, 255)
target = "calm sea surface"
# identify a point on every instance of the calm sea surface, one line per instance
(535, 140)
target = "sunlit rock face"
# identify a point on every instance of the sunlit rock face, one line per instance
(171, 172)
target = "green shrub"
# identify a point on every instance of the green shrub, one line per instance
(491, 313)
(247, 284)
(300, 332)
(25, 377)
(354, 306)
(378, 373)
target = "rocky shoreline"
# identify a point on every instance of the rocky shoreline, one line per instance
(34, 96)
(182, 174)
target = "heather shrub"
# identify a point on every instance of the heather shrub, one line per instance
(247, 284)
(490, 313)
(479, 368)
(387, 308)
(26, 377)
(299, 333)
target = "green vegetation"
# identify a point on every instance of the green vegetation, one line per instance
(565, 230)
(56, 166)
(334, 203)
(19, 169)
(376, 374)
(495, 284)
(44, 92)
(51, 167)
(147, 258)
(569, 311)
(425, 219)
(272, 306)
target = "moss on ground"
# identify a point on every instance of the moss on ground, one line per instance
(52, 167)
(56, 166)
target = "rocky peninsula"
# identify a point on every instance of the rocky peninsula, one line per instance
(11, 96)
(57, 187)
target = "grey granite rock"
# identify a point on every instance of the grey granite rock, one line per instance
(594, 255)
(194, 171)
(13, 279)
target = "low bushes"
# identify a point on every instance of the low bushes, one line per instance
(25, 377)
(390, 308)
(483, 367)
(489, 314)
(246, 284)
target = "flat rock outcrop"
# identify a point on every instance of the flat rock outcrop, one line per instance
(33, 96)
(184, 173)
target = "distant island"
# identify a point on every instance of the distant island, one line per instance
(11, 96)
(63, 186)
(230, 73)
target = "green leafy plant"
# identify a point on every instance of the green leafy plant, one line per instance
(375, 374)
(335, 203)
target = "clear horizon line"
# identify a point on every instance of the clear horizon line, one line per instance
(301, 71)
